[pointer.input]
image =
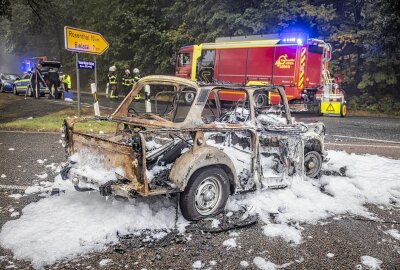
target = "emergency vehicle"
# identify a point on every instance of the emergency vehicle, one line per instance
(294, 61)
(29, 63)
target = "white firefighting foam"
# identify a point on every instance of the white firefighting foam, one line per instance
(71, 224)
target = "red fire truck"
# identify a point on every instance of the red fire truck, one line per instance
(292, 60)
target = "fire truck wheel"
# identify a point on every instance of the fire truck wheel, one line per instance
(205, 194)
(188, 98)
(343, 110)
(319, 112)
(261, 100)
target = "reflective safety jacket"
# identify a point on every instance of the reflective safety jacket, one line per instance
(127, 80)
(112, 78)
(136, 78)
(66, 79)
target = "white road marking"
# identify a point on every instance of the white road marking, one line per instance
(363, 145)
(13, 187)
(360, 138)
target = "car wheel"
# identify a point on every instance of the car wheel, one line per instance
(343, 110)
(188, 98)
(15, 91)
(29, 92)
(205, 194)
(1, 88)
(312, 164)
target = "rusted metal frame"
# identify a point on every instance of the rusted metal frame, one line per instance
(282, 94)
(198, 140)
(149, 80)
(118, 154)
(255, 160)
(144, 178)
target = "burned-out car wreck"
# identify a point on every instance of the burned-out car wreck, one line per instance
(205, 151)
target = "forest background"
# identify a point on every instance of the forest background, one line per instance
(147, 34)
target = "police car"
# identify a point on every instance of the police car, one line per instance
(7, 82)
(23, 86)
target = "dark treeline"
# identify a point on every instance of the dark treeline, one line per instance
(147, 34)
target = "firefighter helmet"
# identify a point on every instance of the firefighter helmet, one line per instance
(112, 69)
(136, 70)
(127, 71)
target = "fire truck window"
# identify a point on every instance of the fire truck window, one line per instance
(205, 66)
(183, 59)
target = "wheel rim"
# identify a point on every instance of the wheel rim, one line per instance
(208, 196)
(344, 110)
(260, 100)
(312, 163)
(189, 97)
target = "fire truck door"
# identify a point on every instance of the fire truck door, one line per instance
(205, 66)
(285, 65)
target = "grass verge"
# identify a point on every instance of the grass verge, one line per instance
(53, 122)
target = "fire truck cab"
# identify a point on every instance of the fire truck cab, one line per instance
(294, 61)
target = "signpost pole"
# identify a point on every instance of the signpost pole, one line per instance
(84, 41)
(95, 72)
(78, 87)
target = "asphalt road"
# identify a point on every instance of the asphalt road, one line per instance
(347, 238)
(21, 155)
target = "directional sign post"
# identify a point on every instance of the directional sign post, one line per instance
(84, 41)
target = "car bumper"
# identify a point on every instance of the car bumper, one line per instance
(8, 87)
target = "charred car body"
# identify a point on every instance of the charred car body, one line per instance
(203, 151)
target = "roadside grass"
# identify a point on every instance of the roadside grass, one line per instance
(54, 121)
(365, 113)
(7, 99)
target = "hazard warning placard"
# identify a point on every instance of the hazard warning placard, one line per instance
(330, 107)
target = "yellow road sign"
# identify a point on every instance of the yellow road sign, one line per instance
(79, 40)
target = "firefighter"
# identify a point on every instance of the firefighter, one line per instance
(127, 82)
(136, 78)
(112, 82)
(66, 81)
(36, 78)
(54, 80)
